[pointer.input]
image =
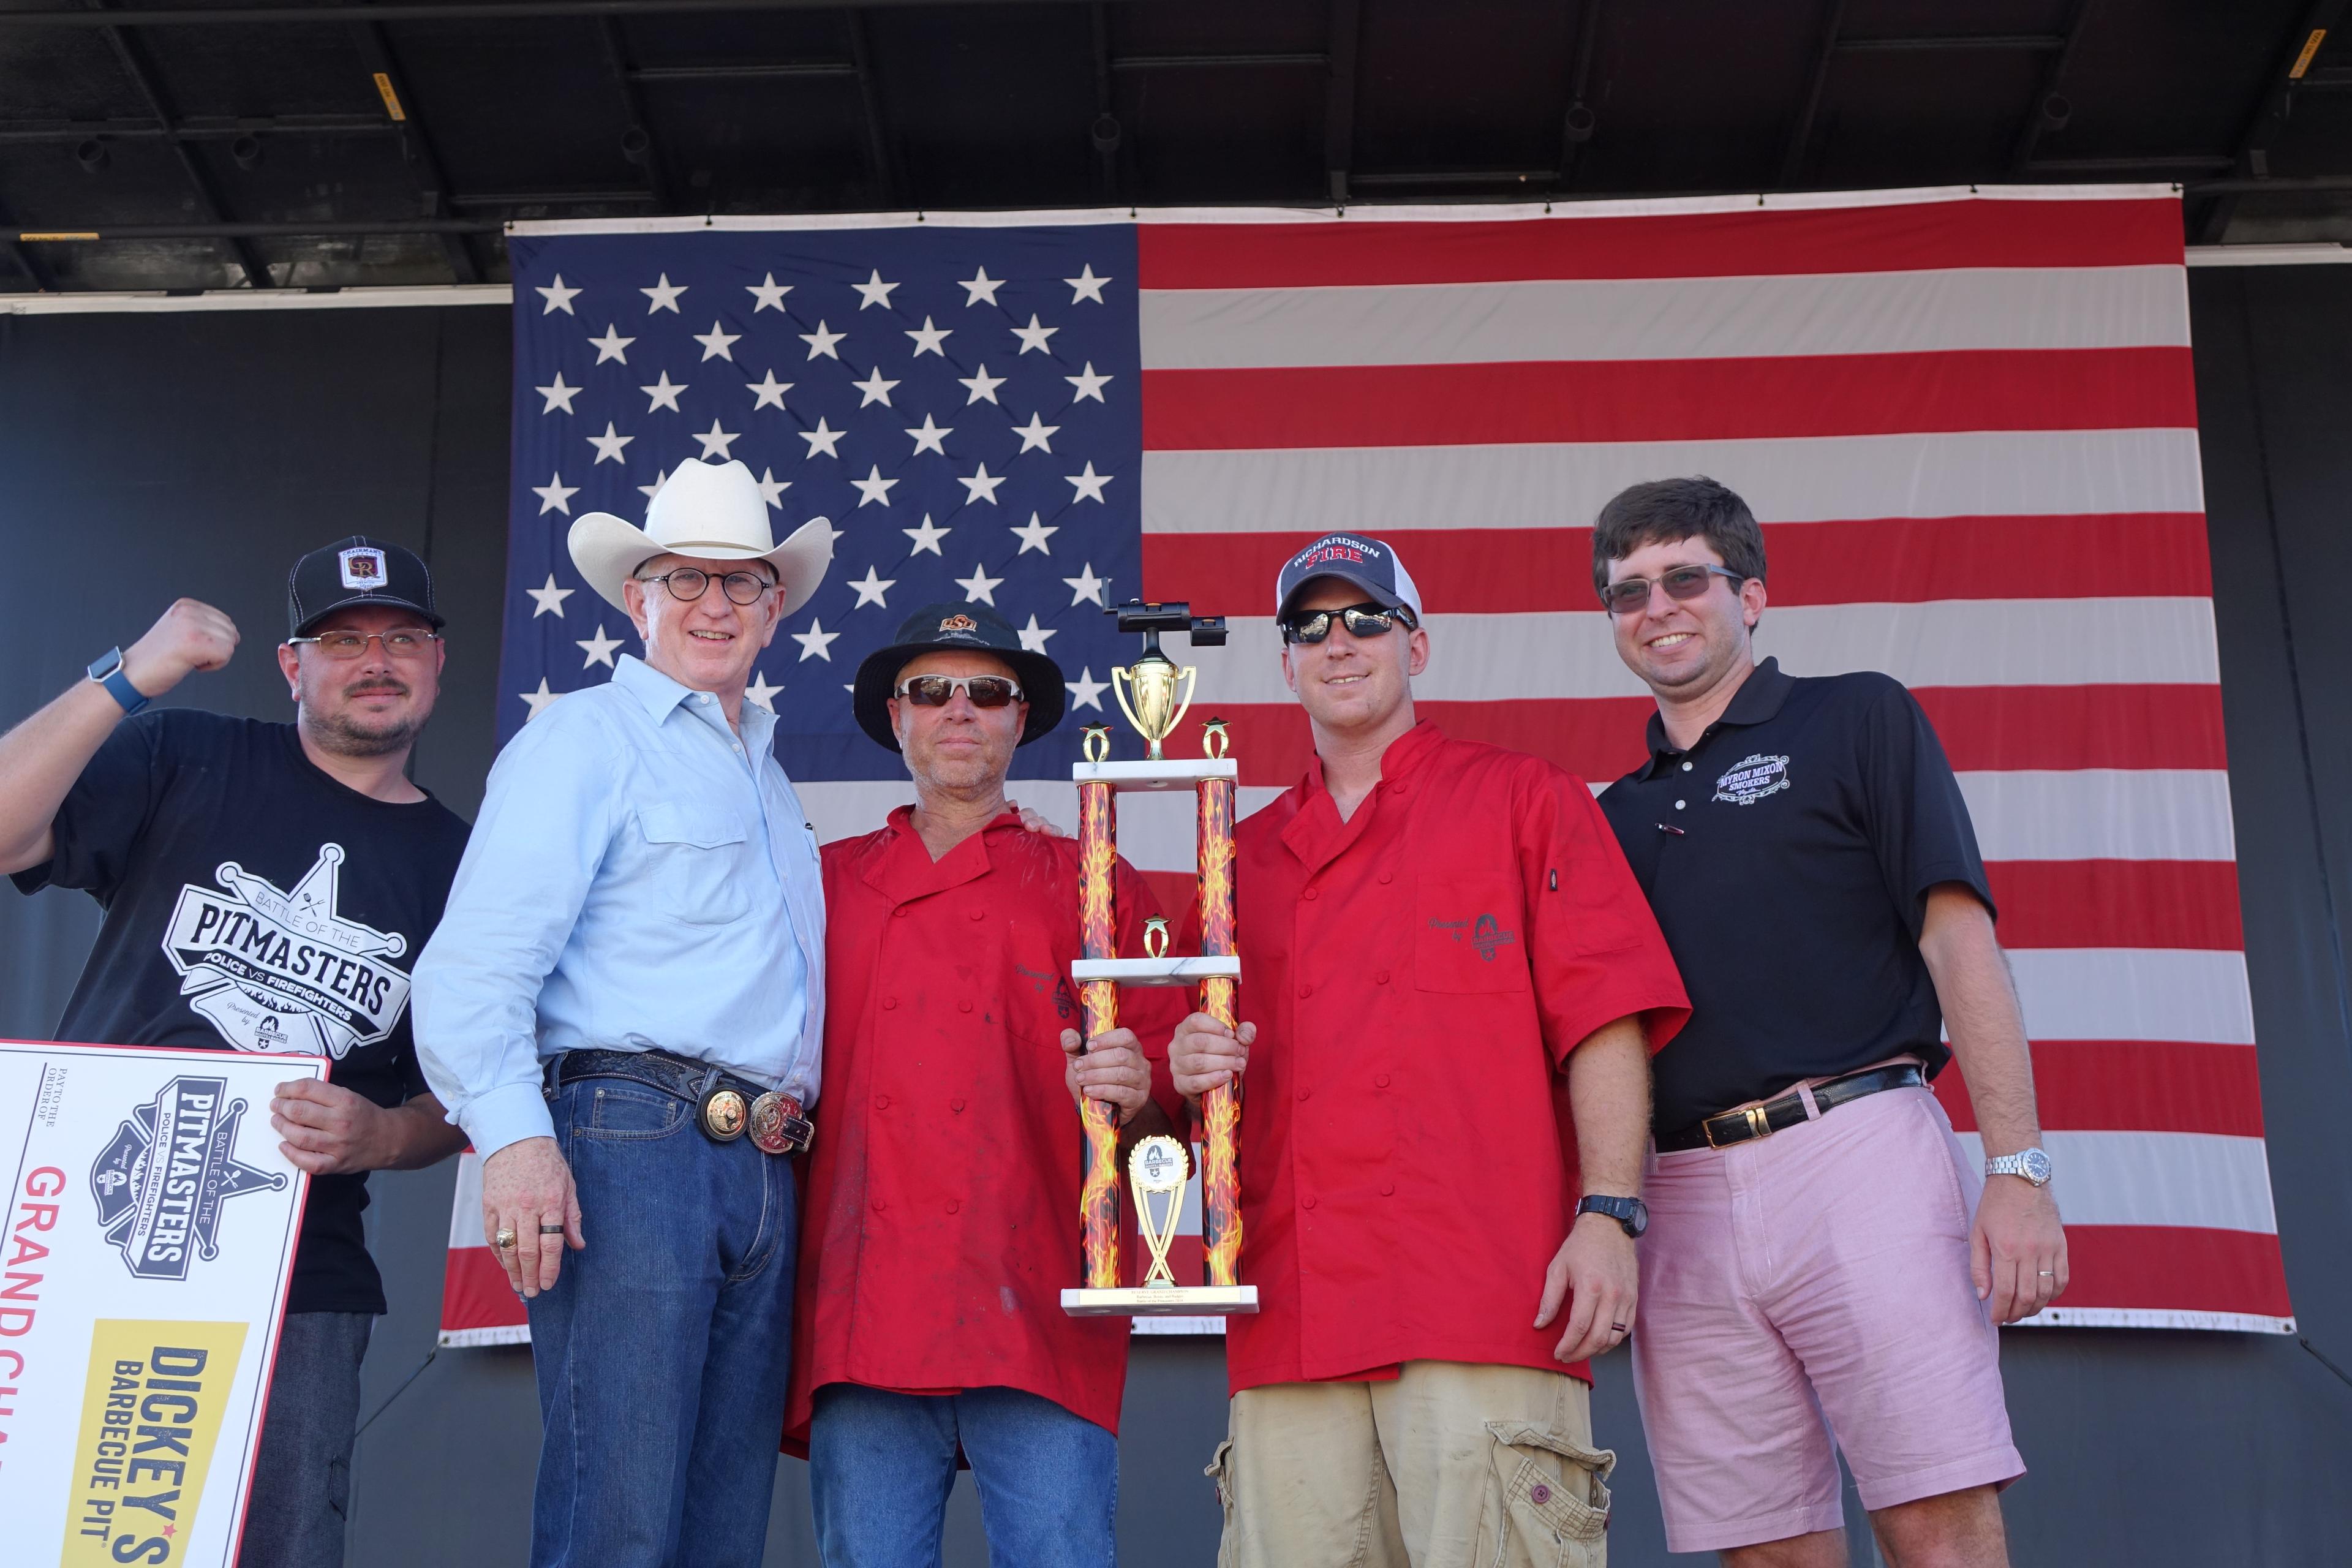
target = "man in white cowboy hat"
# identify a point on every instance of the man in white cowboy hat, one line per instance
(624, 1008)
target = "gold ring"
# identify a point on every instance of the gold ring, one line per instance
(504, 1240)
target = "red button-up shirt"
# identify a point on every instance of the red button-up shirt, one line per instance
(1419, 975)
(942, 1221)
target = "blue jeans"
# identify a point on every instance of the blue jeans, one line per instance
(302, 1476)
(663, 1349)
(881, 1464)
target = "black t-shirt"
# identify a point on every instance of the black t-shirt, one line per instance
(1788, 856)
(252, 902)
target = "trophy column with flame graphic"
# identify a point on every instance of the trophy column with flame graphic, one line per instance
(1154, 695)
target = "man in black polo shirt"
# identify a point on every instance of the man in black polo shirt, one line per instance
(1820, 1266)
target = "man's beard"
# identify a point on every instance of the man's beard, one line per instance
(344, 736)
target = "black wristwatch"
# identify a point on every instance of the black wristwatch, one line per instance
(1631, 1213)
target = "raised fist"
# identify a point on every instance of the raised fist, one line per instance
(190, 636)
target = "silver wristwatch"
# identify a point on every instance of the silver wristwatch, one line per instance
(2033, 1164)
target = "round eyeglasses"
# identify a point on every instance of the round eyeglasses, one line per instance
(688, 584)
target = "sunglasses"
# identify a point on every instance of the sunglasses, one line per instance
(938, 691)
(1631, 594)
(1361, 621)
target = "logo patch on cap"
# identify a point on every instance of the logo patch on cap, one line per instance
(959, 624)
(362, 567)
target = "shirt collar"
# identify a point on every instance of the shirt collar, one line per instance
(1403, 754)
(1759, 697)
(659, 694)
(904, 869)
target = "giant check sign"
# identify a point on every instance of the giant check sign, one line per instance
(151, 1223)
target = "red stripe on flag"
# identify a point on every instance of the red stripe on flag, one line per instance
(1988, 728)
(2175, 1269)
(1984, 729)
(1747, 243)
(2137, 1086)
(1503, 570)
(1664, 400)
(2121, 903)
(475, 1293)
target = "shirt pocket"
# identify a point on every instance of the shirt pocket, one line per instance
(1469, 935)
(697, 859)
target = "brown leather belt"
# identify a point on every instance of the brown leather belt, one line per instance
(1774, 1115)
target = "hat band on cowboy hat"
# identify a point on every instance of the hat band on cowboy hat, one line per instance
(957, 628)
(712, 510)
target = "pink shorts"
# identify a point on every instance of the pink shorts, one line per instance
(1811, 1288)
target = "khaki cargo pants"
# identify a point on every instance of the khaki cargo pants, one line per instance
(1451, 1466)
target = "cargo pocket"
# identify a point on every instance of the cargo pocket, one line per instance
(1219, 1470)
(1546, 1500)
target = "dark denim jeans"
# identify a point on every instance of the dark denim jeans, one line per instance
(881, 1464)
(302, 1476)
(663, 1349)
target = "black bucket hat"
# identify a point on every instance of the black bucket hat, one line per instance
(951, 629)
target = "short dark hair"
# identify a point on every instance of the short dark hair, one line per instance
(1665, 511)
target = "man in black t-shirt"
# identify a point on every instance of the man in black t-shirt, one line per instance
(267, 888)
(1823, 1265)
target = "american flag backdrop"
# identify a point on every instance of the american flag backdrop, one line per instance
(1965, 418)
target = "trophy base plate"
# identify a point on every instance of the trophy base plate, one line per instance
(1162, 1302)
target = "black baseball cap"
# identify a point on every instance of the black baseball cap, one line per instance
(948, 628)
(1370, 563)
(356, 571)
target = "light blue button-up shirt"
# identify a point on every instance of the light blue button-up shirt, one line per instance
(640, 877)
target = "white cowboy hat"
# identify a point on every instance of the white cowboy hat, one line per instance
(710, 509)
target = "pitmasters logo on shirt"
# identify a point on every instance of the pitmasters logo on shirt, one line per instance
(162, 1179)
(282, 971)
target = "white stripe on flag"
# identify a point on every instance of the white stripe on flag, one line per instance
(1925, 312)
(2134, 993)
(466, 1205)
(1970, 473)
(1941, 642)
(2102, 813)
(2199, 1180)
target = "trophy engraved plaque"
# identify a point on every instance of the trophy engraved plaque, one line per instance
(1155, 694)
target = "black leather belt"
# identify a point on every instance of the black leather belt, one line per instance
(1774, 1115)
(727, 1106)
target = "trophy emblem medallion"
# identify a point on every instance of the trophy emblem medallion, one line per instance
(1157, 1171)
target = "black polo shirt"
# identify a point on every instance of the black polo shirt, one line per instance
(1788, 856)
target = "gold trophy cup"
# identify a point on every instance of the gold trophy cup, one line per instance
(1155, 709)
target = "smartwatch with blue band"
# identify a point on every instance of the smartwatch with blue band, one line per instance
(106, 671)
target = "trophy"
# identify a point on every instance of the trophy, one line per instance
(1154, 694)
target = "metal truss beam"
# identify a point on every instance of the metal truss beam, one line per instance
(416, 148)
(2268, 119)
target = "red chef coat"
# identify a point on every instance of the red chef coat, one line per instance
(942, 1221)
(1418, 975)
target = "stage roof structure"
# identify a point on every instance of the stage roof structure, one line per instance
(207, 144)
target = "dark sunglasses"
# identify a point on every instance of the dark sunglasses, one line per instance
(1361, 621)
(1679, 581)
(938, 691)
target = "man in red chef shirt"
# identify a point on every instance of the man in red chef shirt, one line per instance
(1450, 987)
(942, 1215)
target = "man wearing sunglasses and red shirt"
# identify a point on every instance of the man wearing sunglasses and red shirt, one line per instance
(943, 1199)
(1821, 1268)
(1452, 989)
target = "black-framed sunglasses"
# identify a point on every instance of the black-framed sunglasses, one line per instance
(938, 691)
(401, 642)
(1361, 621)
(1629, 594)
(688, 584)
